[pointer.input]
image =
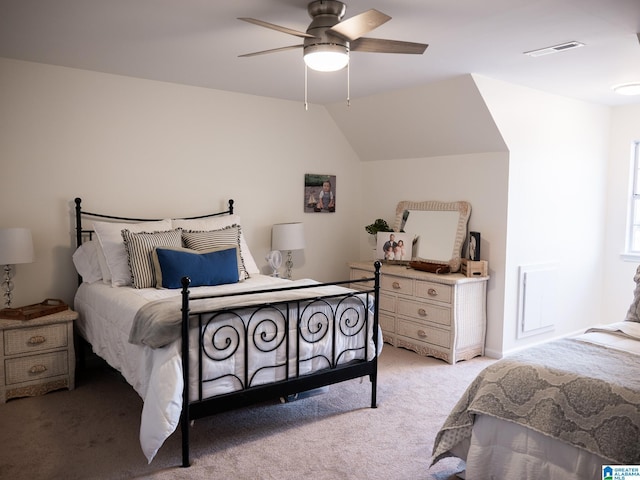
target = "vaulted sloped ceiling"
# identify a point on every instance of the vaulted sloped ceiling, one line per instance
(443, 118)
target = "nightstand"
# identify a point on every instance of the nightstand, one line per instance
(37, 355)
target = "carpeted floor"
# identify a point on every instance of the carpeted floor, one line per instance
(92, 431)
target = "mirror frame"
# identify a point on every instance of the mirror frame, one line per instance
(464, 212)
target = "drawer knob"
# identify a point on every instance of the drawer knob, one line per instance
(396, 285)
(37, 340)
(38, 369)
(433, 292)
(422, 312)
(422, 334)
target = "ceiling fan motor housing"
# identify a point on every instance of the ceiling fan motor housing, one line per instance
(325, 14)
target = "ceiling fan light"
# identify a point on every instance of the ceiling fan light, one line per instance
(628, 89)
(326, 58)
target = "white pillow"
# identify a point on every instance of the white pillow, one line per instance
(85, 259)
(110, 236)
(217, 223)
(102, 261)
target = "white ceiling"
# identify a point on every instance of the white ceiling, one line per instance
(197, 42)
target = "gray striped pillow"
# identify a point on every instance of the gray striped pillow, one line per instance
(140, 247)
(206, 240)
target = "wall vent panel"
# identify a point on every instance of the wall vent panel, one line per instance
(537, 301)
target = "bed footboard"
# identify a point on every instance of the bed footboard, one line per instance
(283, 347)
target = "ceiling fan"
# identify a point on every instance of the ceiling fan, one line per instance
(329, 39)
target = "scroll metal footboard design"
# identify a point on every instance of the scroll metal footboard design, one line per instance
(280, 348)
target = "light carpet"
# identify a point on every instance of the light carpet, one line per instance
(92, 431)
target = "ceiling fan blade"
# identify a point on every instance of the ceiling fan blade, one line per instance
(273, 50)
(272, 26)
(358, 25)
(378, 45)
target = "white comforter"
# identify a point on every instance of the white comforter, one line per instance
(106, 316)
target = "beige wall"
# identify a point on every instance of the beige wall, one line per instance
(143, 148)
(435, 142)
(480, 179)
(618, 282)
(136, 147)
(556, 201)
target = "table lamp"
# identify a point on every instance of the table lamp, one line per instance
(16, 246)
(287, 237)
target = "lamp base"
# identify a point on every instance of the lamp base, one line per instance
(289, 264)
(7, 285)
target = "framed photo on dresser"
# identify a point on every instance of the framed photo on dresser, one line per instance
(394, 247)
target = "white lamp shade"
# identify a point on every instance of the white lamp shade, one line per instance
(287, 236)
(16, 246)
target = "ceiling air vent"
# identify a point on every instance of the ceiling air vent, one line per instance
(555, 49)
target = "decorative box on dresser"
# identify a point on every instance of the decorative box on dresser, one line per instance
(437, 315)
(37, 355)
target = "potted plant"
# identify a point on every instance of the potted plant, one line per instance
(379, 225)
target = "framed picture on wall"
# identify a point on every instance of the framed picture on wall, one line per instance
(394, 247)
(319, 193)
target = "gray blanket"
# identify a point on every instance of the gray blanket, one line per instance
(583, 394)
(158, 323)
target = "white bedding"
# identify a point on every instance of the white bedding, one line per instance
(105, 320)
(500, 449)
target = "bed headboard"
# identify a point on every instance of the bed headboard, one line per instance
(81, 214)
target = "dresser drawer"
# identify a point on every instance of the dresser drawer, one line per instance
(357, 274)
(387, 303)
(425, 311)
(429, 335)
(395, 284)
(434, 291)
(387, 322)
(35, 339)
(34, 367)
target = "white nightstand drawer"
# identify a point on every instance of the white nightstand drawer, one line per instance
(35, 339)
(34, 367)
(416, 331)
(425, 312)
(434, 291)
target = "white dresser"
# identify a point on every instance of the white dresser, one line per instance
(437, 315)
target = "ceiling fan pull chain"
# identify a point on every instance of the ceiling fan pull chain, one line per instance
(306, 105)
(348, 86)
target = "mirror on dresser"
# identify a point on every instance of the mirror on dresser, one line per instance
(440, 229)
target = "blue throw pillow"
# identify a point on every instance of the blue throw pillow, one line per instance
(212, 267)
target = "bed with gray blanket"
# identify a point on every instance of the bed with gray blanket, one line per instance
(180, 309)
(560, 410)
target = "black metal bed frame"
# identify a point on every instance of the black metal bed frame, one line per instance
(218, 341)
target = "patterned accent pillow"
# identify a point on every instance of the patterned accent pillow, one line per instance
(216, 223)
(210, 239)
(140, 247)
